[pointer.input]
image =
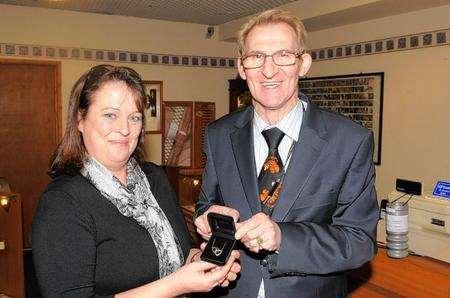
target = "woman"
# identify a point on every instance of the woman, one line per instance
(109, 224)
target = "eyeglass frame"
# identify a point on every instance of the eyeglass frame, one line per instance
(297, 55)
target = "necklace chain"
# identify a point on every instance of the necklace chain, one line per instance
(216, 250)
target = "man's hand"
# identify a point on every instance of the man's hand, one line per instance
(259, 232)
(202, 224)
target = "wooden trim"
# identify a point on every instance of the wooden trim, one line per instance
(58, 103)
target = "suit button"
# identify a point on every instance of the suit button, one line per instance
(264, 262)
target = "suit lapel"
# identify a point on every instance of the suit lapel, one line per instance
(242, 143)
(304, 158)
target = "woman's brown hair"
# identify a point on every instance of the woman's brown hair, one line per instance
(69, 156)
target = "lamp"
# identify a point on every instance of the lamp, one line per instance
(5, 202)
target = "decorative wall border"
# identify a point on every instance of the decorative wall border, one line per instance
(387, 45)
(53, 52)
(380, 46)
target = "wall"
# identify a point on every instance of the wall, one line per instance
(47, 27)
(415, 137)
(416, 123)
(415, 128)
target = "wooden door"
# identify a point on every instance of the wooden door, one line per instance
(11, 248)
(30, 125)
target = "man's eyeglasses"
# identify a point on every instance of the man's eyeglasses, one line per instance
(280, 58)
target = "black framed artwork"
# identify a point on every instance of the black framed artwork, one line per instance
(153, 104)
(357, 96)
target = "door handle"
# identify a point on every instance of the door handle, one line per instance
(2, 245)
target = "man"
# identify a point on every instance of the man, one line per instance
(317, 216)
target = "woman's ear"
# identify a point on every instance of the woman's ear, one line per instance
(80, 122)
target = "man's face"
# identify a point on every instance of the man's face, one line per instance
(273, 87)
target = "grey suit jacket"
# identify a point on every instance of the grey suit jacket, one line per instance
(327, 211)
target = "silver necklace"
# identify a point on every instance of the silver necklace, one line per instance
(217, 250)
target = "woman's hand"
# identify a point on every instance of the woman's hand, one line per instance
(194, 254)
(194, 276)
(200, 276)
(234, 270)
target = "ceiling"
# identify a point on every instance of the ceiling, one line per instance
(217, 12)
(209, 12)
(369, 11)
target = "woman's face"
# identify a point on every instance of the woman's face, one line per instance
(112, 125)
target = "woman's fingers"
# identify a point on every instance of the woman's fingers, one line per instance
(205, 266)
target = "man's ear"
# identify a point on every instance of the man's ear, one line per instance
(80, 123)
(306, 64)
(241, 69)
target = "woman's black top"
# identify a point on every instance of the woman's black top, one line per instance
(84, 247)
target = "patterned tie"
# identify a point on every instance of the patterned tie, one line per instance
(269, 183)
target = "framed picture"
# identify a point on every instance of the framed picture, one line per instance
(357, 96)
(154, 92)
(177, 145)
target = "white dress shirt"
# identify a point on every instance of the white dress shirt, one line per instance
(290, 125)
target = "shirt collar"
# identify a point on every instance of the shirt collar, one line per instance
(290, 124)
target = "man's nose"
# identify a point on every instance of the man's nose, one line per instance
(270, 69)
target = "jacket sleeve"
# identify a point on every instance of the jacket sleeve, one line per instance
(349, 240)
(64, 249)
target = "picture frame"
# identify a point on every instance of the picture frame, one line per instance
(177, 134)
(153, 106)
(357, 96)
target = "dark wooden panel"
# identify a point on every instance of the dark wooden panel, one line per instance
(29, 128)
(204, 113)
(188, 212)
(189, 184)
(11, 258)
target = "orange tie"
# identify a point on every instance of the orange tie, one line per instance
(269, 177)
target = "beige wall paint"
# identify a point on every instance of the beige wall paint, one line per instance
(179, 83)
(416, 122)
(409, 23)
(24, 25)
(415, 136)
(68, 28)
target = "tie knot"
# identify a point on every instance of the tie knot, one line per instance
(273, 137)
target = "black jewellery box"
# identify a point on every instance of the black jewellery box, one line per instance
(222, 241)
